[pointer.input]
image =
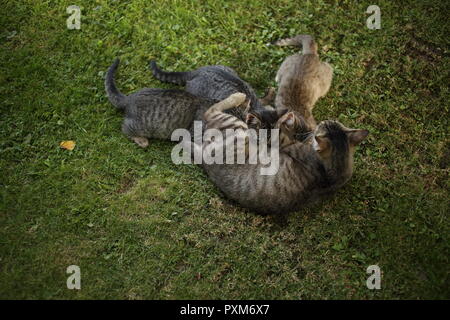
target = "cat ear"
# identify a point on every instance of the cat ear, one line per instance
(252, 120)
(356, 136)
(289, 120)
(281, 112)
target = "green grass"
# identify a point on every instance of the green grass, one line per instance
(141, 227)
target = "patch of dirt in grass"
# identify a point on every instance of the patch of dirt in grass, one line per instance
(445, 158)
(126, 184)
(424, 50)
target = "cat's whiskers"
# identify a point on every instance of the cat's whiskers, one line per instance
(304, 136)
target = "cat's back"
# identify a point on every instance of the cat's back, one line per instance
(159, 93)
(300, 82)
(299, 68)
(170, 100)
(158, 112)
(217, 82)
(214, 68)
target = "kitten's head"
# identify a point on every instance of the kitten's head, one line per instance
(292, 127)
(263, 118)
(335, 144)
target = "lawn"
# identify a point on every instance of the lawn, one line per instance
(141, 227)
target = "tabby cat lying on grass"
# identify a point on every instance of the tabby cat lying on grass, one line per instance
(307, 170)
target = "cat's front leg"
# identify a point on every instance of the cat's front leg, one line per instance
(232, 101)
(141, 141)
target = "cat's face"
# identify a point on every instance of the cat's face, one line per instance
(335, 143)
(293, 125)
(293, 128)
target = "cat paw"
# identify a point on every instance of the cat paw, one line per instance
(140, 141)
(238, 98)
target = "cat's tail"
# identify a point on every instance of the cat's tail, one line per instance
(165, 76)
(116, 98)
(309, 46)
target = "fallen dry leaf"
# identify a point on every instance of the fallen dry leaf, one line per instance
(69, 145)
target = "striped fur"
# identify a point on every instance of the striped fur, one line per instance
(153, 112)
(305, 173)
(217, 83)
(302, 78)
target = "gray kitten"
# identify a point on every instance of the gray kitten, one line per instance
(302, 78)
(218, 83)
(156, 113)
(152, 112)
(307, 171)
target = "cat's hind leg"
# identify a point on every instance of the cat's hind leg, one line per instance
(133, 130)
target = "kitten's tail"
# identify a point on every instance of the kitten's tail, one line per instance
(309, 46)
(116, 98)
(172, 77)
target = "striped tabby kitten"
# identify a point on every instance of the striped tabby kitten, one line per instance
(156, 113)
(152, 112)
(302, 78)
(307, 171)
(217, 118)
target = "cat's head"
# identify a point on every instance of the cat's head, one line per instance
(293, 127)
(335, 145)
(263, 118)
